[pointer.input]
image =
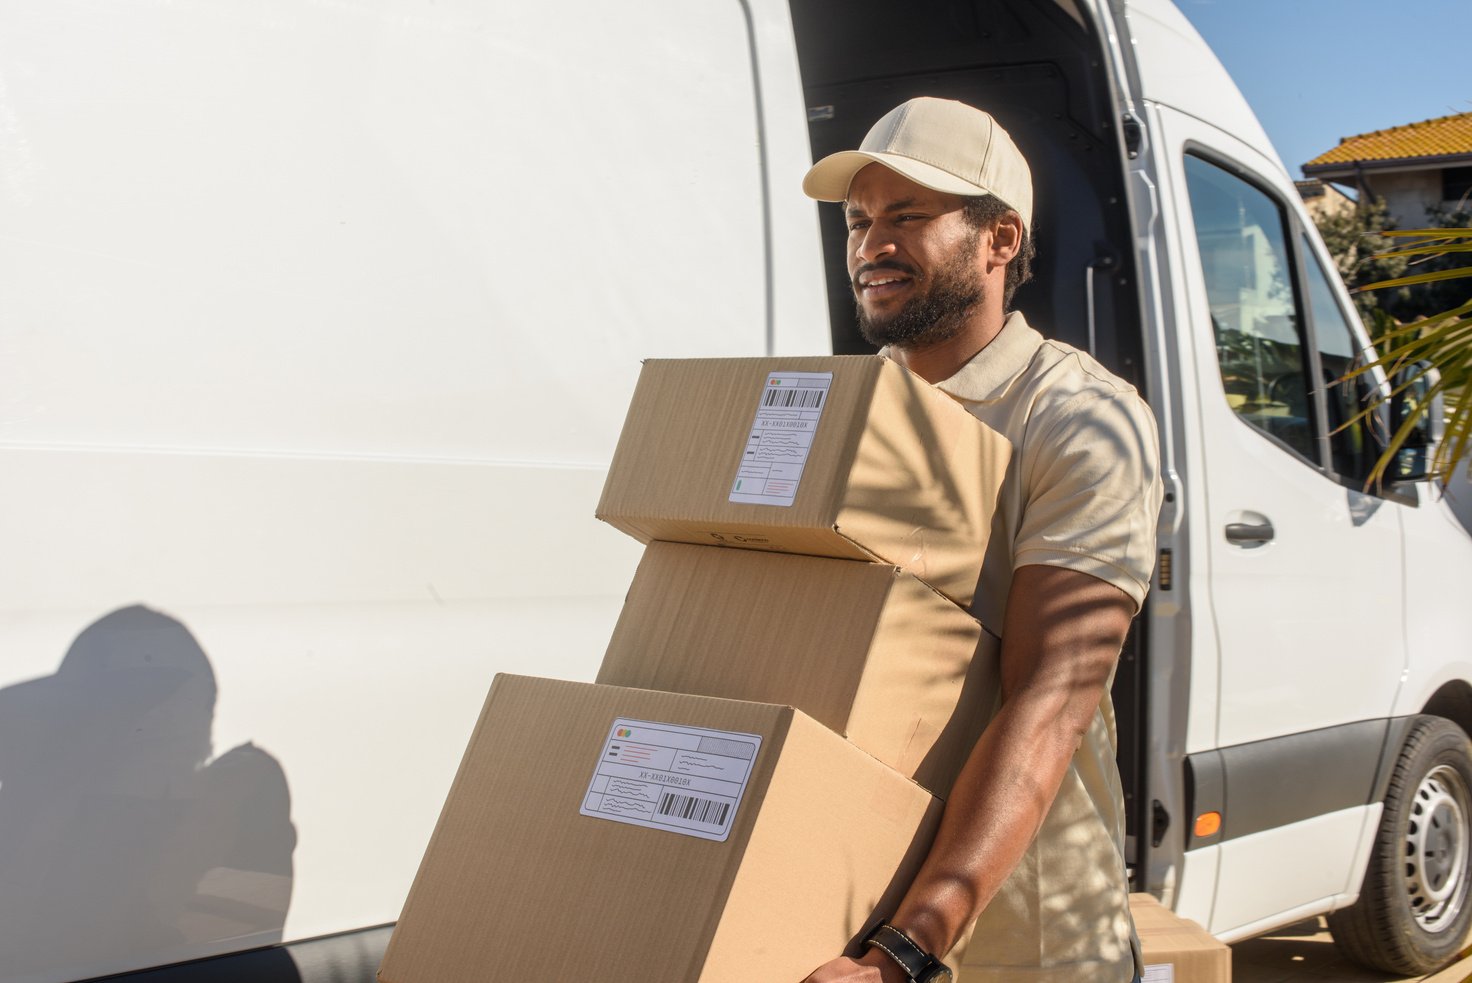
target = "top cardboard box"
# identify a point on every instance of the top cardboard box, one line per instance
(851, 457)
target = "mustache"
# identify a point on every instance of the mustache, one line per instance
(885, 264)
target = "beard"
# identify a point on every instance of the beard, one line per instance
(939, 309)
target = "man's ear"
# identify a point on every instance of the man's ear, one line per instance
(1006, 241)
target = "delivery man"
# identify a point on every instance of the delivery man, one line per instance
(1030, 849)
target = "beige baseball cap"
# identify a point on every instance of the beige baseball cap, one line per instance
(940, 144)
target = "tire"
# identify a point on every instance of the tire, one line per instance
(1414, 907)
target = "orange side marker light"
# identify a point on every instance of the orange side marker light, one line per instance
(1208, 824)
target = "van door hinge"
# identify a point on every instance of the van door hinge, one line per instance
(1134, 135)
(1159, 823)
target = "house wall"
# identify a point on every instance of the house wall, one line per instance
(1327, 201)
(1407, 194)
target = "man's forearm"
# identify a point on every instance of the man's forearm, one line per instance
(994, 811)
(1063, 634)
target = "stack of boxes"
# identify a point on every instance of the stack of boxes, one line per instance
(788, 695)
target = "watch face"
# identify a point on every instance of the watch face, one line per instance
(940, 974)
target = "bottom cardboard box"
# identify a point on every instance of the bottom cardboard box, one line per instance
(633, 836)
(1176, 949)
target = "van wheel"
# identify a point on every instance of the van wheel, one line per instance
(1413, 912)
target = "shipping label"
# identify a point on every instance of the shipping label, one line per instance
(1159, 973)
(781, 436)
(666, 776)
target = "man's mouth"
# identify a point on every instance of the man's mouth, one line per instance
(874, 284)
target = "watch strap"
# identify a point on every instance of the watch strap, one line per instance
(919, 965)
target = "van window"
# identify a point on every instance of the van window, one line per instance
(1240, 232)
(1353, 449)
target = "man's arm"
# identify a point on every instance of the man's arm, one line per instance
(1061, 636)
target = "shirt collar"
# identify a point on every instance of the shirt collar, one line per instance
(987, 375)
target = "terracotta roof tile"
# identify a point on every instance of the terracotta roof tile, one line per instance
(1431, 138)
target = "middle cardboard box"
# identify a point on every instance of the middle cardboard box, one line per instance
(863, 648)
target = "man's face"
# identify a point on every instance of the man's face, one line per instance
(913, 259)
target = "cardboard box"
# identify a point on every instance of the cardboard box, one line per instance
(851, 457)
(1176, 949)
(864, 648)
(536, 874)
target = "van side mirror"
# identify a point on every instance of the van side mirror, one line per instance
(1411, 385)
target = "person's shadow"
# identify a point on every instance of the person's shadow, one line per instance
(123, 841)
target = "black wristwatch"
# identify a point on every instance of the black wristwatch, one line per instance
(919, 965)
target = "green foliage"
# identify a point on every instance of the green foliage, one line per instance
(1355, 240)
(1434, 257)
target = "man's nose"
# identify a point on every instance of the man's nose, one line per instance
(873, 245)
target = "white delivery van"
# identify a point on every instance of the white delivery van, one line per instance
(317, 324)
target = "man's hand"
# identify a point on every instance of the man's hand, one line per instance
(874, 967)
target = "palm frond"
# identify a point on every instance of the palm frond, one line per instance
(1426, 233)
(1427, 250)
(1407, 355)
(1407, 281)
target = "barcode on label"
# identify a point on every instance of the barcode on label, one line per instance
(693, 807)
(806, 399)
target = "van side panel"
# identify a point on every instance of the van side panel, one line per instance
(320, 322)
(1438, 628)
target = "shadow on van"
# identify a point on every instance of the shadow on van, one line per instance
(123, 841)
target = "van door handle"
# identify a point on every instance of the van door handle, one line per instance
(1249, 532)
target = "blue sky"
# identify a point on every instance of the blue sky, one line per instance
(1318, 70)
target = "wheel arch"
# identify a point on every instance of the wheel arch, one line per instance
(1454, 702)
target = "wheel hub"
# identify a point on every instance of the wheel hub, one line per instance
(1436, 849)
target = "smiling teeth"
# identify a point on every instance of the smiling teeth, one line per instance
(880, 283)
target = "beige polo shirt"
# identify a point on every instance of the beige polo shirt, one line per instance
(1083, 492)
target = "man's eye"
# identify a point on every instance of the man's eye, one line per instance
(857, 226)
(909, 218)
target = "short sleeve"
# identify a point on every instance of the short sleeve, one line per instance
(1091, 490)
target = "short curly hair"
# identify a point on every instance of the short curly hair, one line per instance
(983, 212)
